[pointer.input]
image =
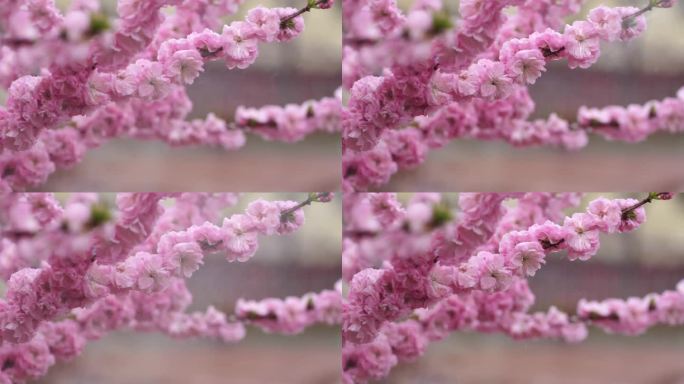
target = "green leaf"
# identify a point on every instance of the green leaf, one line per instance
(99, 214)
(98, 24)
(440, 22)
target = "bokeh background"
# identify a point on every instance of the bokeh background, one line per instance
(649, 67)
(650, 259)
(306, 68)
(304, 261)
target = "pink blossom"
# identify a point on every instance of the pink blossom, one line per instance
(185, 66)
(632, 220)
(76, 216)
(440, 280)
(471, 8)
(407, 340)
(467, 275)
(98, 274)
(493, 81)
(239, 45)
(266, 216)
(125, 83)
(152, 276)
(265, 21)
(386, 208)
(574, 333)
(665, 3)
(373, 362)
(291, 221)
(441, 87)
(21, 217)
(151, 83)
(240, 237)
(324, 4)
(65, 339)
(581, 237)
(378, 166)
(528, 257)
(467, 83)
(582, 44)
(292, 28)
(362, 101)
(76, 24)
(126, 274)
(386, 14)
(527, 65)
(414, 295)
(418, 215)
(98, 280)
(418, 23)
(206, 41)
(550, 42)
(607, 21)
(100, 88)
(407, 147)
(493, 274)
(634, 26)
(607, 212)
(186, 258)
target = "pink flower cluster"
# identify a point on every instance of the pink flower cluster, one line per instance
(635, 315)
(421, 78)
(293, 121)
(77, 79)
(635, 122)
(420, 270)
(77, 270)
(292, 314)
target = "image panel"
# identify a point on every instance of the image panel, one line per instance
(177, 288)
(513, 288)
(513, 95)
(191, 95)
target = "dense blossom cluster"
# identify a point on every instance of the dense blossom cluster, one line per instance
(421, 78)
(78, 270)
(418, 271)
(77, 78)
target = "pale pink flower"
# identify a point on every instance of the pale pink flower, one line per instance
(527, 65)
(265, 21)
(607, 212)
(98, 280)
(152, 276)
(467, 83)
(186, 258)
(607, 21)
(151, 82)
(185, 66)
(440, 281)
(240, 237)
(493, 274)
(494, 83)
(266, 215)
(239, 45)
(528, 257)
(582, 43)
(581, 237)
